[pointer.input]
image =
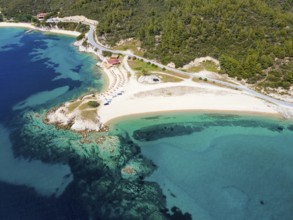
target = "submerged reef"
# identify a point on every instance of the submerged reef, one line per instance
(108, 170)
(156, 132)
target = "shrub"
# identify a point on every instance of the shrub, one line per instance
(85, 44)
(79, 37)
(107, 54)
(93, 104)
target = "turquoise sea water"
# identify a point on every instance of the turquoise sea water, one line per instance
(220, 166)
(37, 72)
(209, 166)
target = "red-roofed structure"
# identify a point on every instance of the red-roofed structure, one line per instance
(112, 62)
(41, 16)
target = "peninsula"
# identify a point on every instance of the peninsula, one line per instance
(150, 110)
(137, 85)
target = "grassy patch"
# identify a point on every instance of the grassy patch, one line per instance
(132, 45)
(194, 79)
(84, 106)
(142, 66)
(93, 104)
(210, 66)
(178, 75)
(195, 69)
(143, 69)
(139, 74)
(206, 65)
(72, 106)
(168, 78)
(89, 115)
(89, 104)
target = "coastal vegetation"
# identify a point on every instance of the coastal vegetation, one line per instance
(246, 36)
(145, 69)
(168, 77)
(109, 168)
(206, 65)
(73, 27)
(93, 104)
(130, 44)
(72, 106)
(142, 66)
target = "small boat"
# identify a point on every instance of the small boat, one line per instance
(29, 31)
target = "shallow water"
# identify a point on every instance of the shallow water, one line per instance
(212, 166)
(37, 72)
(220, 166)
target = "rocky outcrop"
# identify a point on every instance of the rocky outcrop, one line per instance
(198, 61)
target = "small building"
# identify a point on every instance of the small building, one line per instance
(112, 62)
(41, 16)
(116, 56)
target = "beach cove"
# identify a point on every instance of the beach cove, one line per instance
(135, 165)
(165, 88)
(127, 94)
(83, 166)
(218, 166)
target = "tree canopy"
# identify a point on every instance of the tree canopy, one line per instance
(247, 36)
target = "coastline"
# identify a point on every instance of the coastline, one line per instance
(141, 98)
(31, 26)
(161, 149)
(186, 96)
(120, 119)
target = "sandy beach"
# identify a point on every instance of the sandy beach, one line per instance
(183, 96)
(126, 95)
(187, 95)
(12, 24)
(31, 26)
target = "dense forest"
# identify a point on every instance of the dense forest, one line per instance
(247, 36)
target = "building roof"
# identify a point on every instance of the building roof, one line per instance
(113, 61)
(115, 56)
(41, 15)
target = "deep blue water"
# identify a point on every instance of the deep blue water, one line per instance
(209, 166)
(38, 71)
(20, 202)
(30, 64)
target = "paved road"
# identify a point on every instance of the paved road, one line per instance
(238, 87)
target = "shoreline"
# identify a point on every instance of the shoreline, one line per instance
(142, 99)
(44, 30)
(185, 96)
(120, 119)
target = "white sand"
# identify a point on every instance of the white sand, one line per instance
(75, 19)
(12, 24)
(184, 96)
(64, 32)
(142, 98)
(139, 98)
(30, 26)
